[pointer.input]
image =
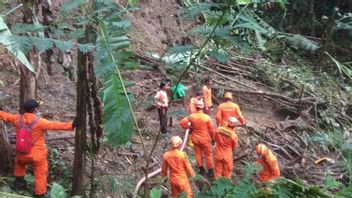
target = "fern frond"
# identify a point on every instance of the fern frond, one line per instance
(19, 28)
(72, 4)
(117, 119)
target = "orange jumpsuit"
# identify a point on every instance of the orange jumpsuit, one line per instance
(207, 98)
(271, 168)
(38, 154)
(180, 170)
(202, 135)
(226, 141)
(226, 110)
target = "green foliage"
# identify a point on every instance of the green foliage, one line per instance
(58, 191)
(72, 4)
(343, 70)
(117, 119)
(112, 54)
(156, 193)
(330, 183)
(4, 40)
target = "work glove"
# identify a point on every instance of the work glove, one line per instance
(75, 122)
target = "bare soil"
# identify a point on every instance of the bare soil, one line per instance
(156, 26)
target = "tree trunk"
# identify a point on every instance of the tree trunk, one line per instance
(80, 139)
(5, 149)
(28, 89)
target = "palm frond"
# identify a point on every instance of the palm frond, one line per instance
(117, 119)
(11, 46)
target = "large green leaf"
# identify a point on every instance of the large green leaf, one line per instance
(8, 43)
(117, 118)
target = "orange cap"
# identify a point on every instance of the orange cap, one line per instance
(228, 95)
(176, 141)
(261, 148)
(200, 104)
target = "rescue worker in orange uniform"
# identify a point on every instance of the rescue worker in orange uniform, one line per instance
(162, 103)
(179, 169)
(269, 163)
(193, 102)
(206, 89)
(228, 109)
(38, 153)
(193, 109)
(226, 142)
(202, 136)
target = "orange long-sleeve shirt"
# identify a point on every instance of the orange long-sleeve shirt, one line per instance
(226, 110)
(202, 127)
(38, 130)
(178, 163)
(270, 169)
(226, 141)
(207, 96)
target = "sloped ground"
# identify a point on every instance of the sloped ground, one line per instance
(156, 25)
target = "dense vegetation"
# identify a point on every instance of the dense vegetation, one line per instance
(299, 48)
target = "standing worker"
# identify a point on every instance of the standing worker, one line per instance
(228, 109)
(202, 136)
(226, 142)
(269, 163)
(207, 95)
(37, 153)
(193, 109)
(180, 169)
(162, 103)
(193, 102)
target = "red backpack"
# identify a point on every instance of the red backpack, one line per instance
(24, 137)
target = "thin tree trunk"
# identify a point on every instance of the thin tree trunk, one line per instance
(80, 139)
(28, 89)
(5, 149)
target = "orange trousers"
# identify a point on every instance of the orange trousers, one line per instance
(199, 149)
(223, 168)
(178, 187)
(40, 170)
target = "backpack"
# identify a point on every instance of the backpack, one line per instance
(24, 137)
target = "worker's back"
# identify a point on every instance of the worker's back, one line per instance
(38, 130)
(226, 140)
(226, 110)
(201, 126)
(177, 161)
(270, 165)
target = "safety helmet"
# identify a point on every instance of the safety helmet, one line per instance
(228, 95)
(232, 121)
(176, 141)
(30, 105)
(200, 104)
(261, 148)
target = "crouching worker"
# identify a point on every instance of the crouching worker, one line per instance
(30, 145)
(269, 163)
(179, 169)
(226, 142)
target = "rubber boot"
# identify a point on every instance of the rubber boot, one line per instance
(201, 170)
(211, 173)
(20, 183)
